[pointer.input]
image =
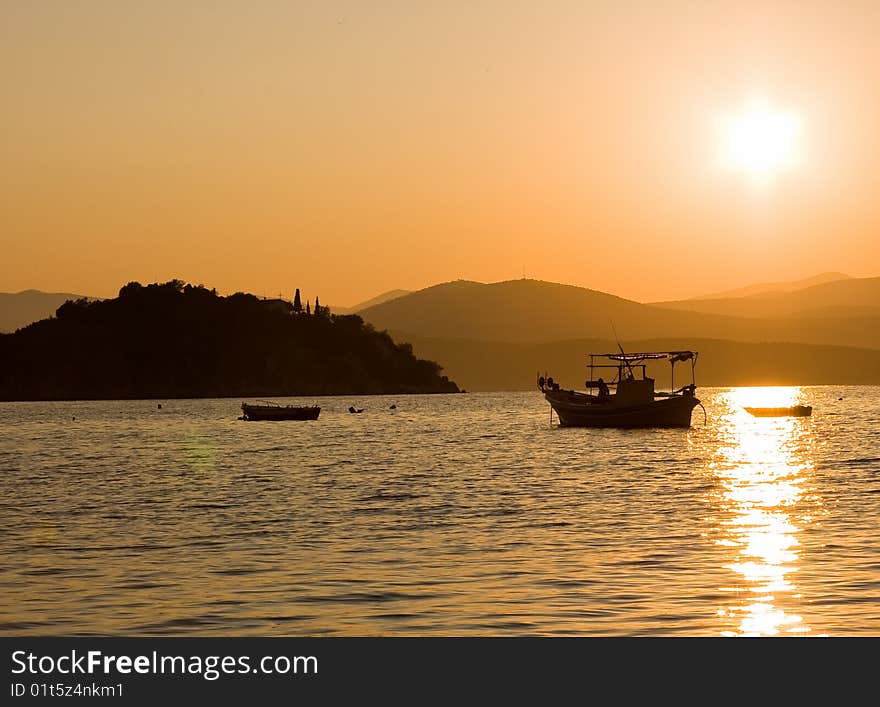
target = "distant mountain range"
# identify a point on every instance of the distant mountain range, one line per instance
(851, 297)
(378, 299)
(788, 286)
(843, 313)
(823, 329)
(22, 308)
(496, 336)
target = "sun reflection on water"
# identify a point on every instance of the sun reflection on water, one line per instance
(763, 470)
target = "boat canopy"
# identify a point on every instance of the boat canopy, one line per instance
(673, 356)
(628, 362)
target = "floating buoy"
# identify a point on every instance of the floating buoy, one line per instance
(159, 406)
(393, 407)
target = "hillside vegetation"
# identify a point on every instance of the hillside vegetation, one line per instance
(176, 340)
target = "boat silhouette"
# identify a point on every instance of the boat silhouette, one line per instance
(792, 411)
(273, 411)
(633, 402)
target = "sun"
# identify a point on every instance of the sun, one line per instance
(761, 141)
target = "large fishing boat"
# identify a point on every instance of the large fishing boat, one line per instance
(628, 399)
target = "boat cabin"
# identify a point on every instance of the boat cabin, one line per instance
(629, 374)
(632, 390)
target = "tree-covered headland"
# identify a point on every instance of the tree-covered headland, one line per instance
(178, 340)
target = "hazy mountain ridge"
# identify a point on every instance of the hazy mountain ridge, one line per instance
(782, 286)
(840, 298)
(19, 309)
(378, 299)
(531, 311)
(513, 310)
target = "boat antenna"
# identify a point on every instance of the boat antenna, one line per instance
(615, 335)
(628, 366)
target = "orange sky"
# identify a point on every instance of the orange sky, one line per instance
(353, 147)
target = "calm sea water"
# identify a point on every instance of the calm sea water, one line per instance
(451, 515)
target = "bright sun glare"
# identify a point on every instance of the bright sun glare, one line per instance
(761, 141)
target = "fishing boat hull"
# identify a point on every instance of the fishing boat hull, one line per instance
(579, 410)
(279, 412)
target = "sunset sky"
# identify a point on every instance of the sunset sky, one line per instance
(654, 150)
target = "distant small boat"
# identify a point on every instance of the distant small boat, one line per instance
(793, 411)
(274, 411)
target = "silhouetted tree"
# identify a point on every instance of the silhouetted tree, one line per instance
(130, 289)
(297, 304)
(308, 308)
(319, 310)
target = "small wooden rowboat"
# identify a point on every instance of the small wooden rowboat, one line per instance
(793, 411)
(273, 411)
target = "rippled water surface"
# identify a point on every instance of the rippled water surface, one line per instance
(450, 515)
